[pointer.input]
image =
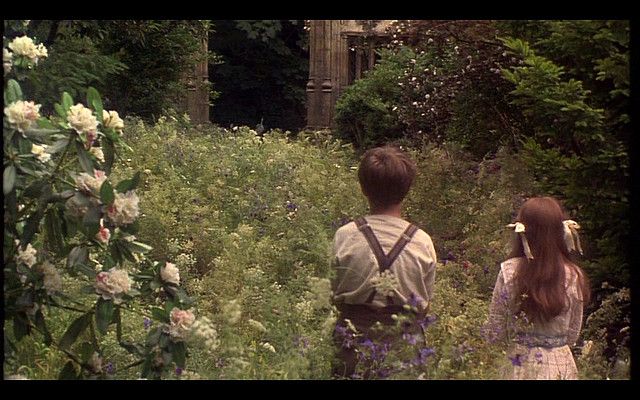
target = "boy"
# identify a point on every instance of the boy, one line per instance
(382, 261)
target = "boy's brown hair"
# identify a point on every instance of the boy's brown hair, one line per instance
(386, 175)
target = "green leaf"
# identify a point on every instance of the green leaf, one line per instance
(41, 324)
(68, 372)
(85, 161)
(133, 348)
(93, 100)
(117, 319)
(20, 326)
(67, 101)
(179, 353)
(32, 226)
(91, 221)
(160, 314)
(13, 92)
(75, 329)
(58, 145)
(53, 231)
(85, 351)
(46, 124)
(60, 110)
(8, 178)
(78, 255)
(153, 337)
(104, 314)
(109, 155)
(106, 193)
(128, 184)
(88, 272)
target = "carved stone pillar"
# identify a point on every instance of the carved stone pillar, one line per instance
(197, 97)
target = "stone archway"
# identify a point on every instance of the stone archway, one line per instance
(335, 62)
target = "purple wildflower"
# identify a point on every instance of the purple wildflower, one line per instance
(516, 360)
(109, 368)
(178, 371)
(411, 339)
(426, 321)
(539, 357)
(414, 300)
(485, 269)
(423, 355)
(147, 322)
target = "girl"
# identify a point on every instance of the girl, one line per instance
(540, 294)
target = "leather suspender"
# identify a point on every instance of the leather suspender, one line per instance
(384, 260)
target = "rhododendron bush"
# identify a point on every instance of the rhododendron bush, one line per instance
(68, 224)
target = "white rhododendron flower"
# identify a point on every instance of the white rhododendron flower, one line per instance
(22, 114)
(26, 256)
(52, 279)
(113, 284)
(40, 151)
(88, 184)
(170, 273)
(124, 209)
(24, 46)
(7, 62)
(97, 153)
(81, 119)
(111, 119)
(181, 322)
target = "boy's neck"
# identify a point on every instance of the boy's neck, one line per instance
(393, 211)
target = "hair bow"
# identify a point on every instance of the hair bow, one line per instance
(571, 237)
(520, 229)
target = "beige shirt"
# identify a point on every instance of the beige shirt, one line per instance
(356, 263)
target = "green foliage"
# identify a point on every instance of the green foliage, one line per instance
(365, 113)
(75, 62)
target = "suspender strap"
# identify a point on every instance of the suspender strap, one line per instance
(373, 243)
(384, 261)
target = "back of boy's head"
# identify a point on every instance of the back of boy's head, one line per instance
(386, 175)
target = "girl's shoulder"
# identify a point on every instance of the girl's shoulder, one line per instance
(509, 268)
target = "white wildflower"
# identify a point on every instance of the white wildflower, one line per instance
(232, 311)
(268, 346)
(257, 325)
(320, 292)
(386, 283)
(22, 114)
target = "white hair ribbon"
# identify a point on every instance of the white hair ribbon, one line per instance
(520, 229)
(571, 237)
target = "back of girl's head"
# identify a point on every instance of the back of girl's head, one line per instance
(542, 279)
(542, 218)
